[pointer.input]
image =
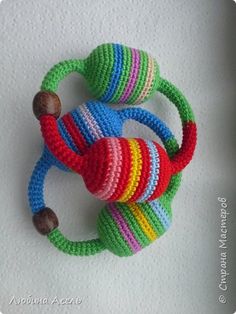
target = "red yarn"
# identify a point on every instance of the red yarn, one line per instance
(164, 173)
(56, 144)
(185, 154)
(74, 131)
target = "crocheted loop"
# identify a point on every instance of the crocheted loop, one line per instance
(76, 248)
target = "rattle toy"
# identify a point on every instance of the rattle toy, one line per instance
(127, 170)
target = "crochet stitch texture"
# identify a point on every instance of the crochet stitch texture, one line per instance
(134, 172)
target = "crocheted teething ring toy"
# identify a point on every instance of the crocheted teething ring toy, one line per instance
(54, 155)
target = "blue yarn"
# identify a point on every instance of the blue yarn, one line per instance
(81, 125)
(53, 160)
(66, 136)
(145, 117)
(154, 174)
(116, 73)
(35, 189)
(109, 121)
(161, 214)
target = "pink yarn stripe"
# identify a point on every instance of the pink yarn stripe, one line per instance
(124, 228)
(110, 185)
(92, 124)
(133, 75)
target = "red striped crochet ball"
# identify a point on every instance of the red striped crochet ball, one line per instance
(126, 170)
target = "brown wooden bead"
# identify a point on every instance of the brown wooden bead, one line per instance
(45, 221)
(46, 103)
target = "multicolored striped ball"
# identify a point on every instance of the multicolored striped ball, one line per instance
(119, 74)
(126, 170)
(83, 126)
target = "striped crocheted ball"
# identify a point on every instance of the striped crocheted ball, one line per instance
(126, 229)
(119, 74)
(84, 125)
(126, 170)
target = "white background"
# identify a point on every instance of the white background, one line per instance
(194, 44)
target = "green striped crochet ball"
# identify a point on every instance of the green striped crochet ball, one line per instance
(118, 74)
(125, 229)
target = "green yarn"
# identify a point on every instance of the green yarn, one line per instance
(111, 236)
(152, 218)
(59, 72)
(99, 66)
(155, 82)
(175, 96)
(81, 248)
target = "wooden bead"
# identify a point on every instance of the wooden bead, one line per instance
(46, 103)
(45, 221)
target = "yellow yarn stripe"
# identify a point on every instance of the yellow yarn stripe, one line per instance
(142, 220)
(135, 171)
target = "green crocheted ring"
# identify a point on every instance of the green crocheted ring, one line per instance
(114, 72)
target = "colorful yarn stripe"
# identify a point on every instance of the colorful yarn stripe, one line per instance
(116, 73)
(66, 136)
(133, 75)
(143, 221)
(74, 132)
(126, 69)
(124, 228)
(148, 82)
(134, 172)
(82, 126)
(145, 171)
(91, 122)
(153, 173)
(110, 186)
(161, 214)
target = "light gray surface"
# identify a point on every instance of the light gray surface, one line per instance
(194, 43)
